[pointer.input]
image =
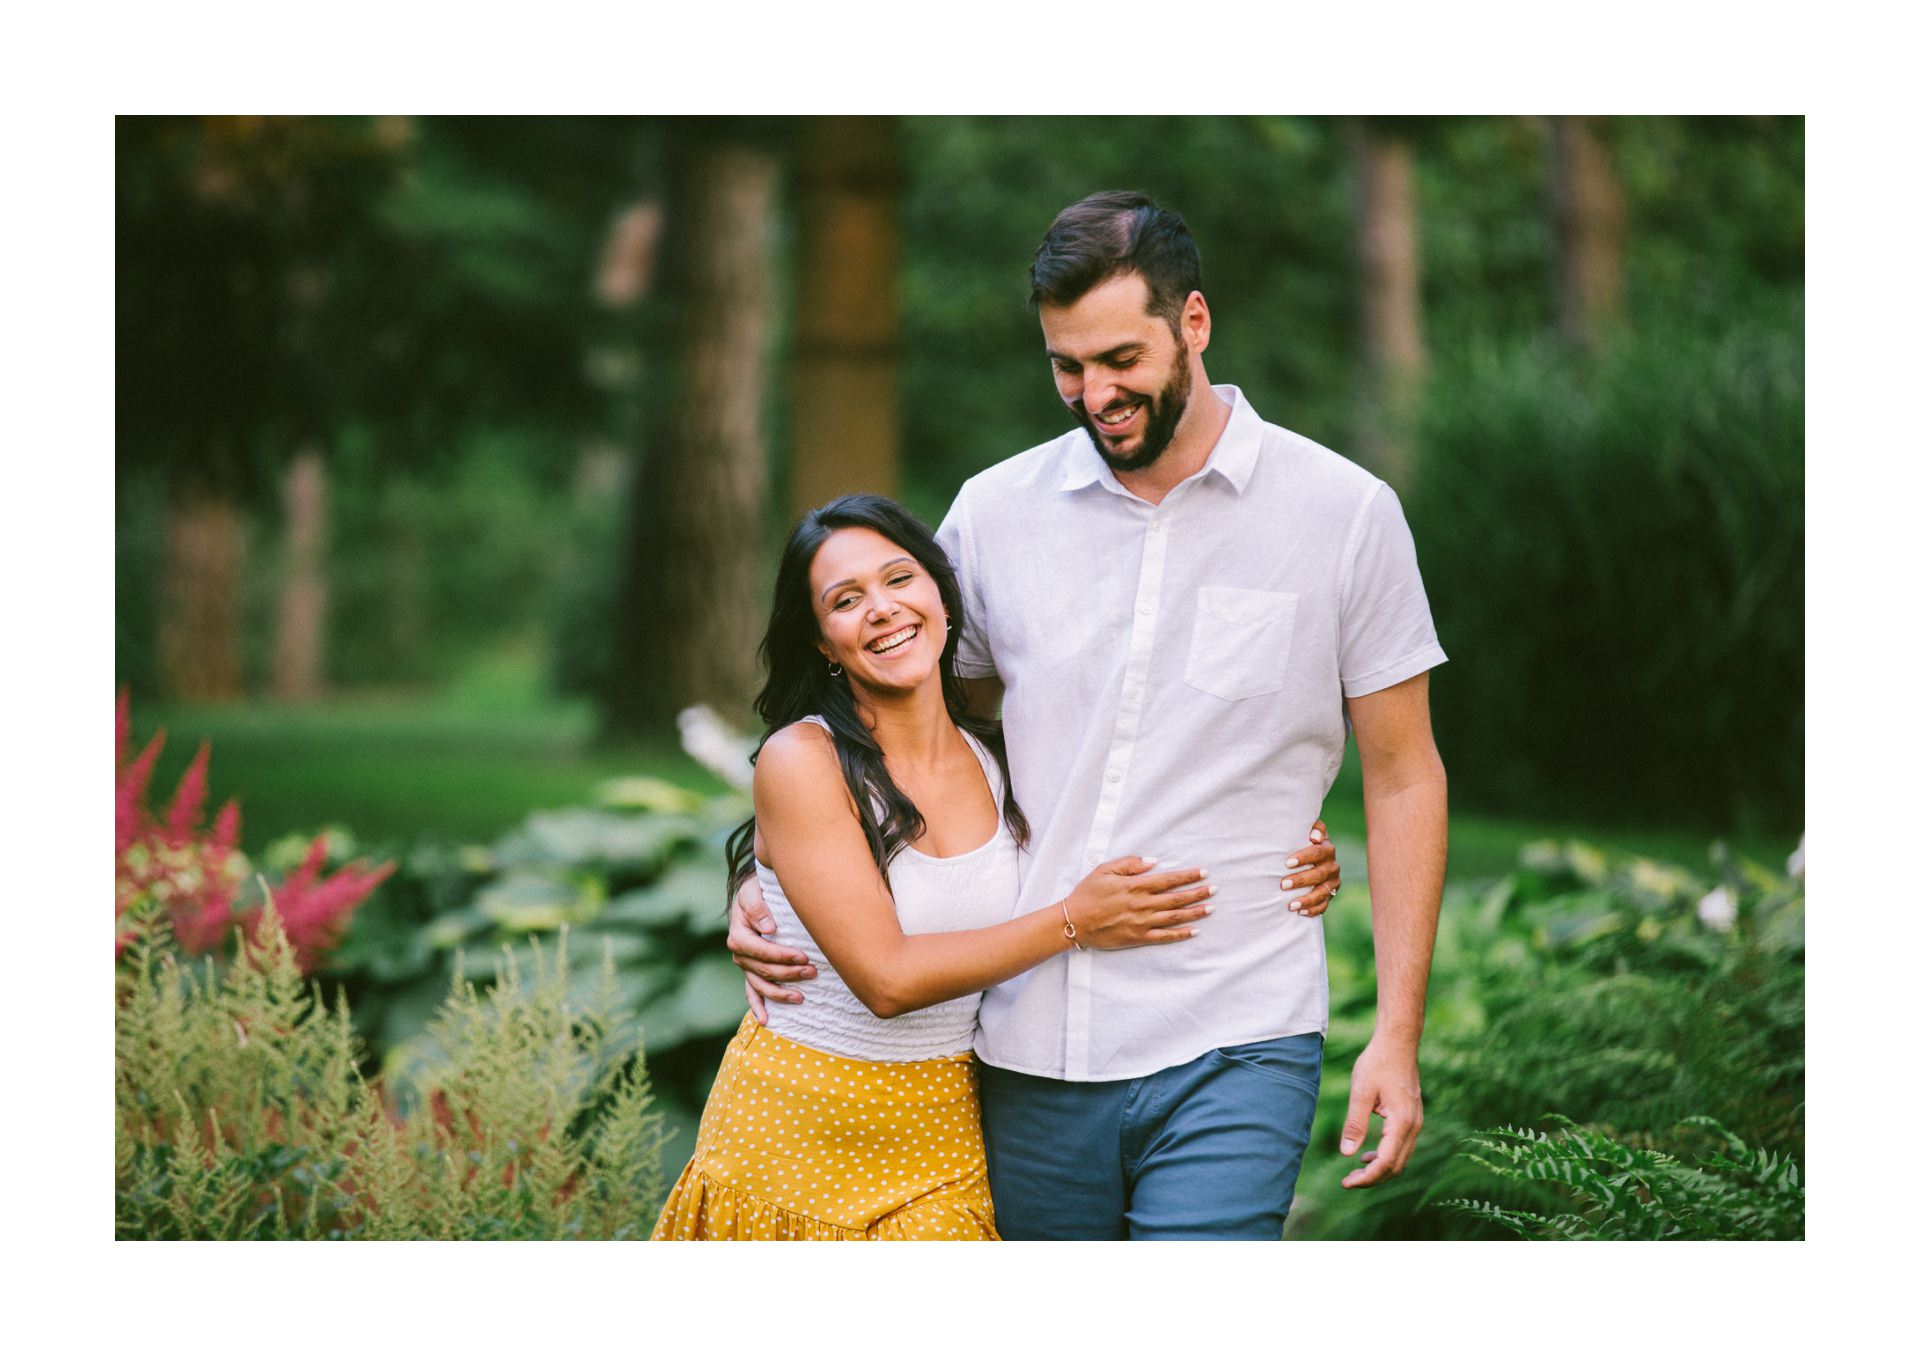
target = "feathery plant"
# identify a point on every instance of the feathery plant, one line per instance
(1627, 995)
(241, 1111)
(1621, 1192)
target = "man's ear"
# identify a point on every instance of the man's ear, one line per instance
(1196, 322)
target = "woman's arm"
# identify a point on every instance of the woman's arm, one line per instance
(811, 838)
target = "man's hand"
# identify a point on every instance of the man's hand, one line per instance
(766, 965)
(1386, 1081)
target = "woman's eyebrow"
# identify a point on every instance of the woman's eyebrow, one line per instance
(897, 560)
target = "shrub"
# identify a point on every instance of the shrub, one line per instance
(637, 876)
(240, 1111)
(198, 874)
(1624, 994)
(1616, 559)
(1621, 1192)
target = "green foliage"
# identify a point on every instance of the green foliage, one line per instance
(1625, 994)
(1621, 1192)
(979, 194)
(636, 878)
(434, 568)
(248, 260)
(241, 1113)
(1624, 547)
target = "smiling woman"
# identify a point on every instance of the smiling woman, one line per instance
(885, 619)
(885, 841)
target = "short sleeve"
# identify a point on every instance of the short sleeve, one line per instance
(1386, 627)
(973, 656)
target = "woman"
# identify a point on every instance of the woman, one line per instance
(885, 840)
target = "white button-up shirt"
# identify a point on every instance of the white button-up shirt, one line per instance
(1174, 677)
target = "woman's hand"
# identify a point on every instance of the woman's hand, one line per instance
(1120, 905)
(1317, 866)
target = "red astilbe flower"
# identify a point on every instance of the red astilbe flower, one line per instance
(315, 910)
(197, 874)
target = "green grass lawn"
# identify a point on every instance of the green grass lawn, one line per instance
(394, 769)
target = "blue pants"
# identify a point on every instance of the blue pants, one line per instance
(1207, 1149)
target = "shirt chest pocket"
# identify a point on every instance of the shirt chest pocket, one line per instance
(1241, 640)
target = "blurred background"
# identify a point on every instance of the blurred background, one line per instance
(454, 453)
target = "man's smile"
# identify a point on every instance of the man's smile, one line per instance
(1116, 421)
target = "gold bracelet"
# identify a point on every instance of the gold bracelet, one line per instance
(1073, 933)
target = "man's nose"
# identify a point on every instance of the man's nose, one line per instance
(1097, 391)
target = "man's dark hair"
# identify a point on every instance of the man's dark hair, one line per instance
(1105, 235)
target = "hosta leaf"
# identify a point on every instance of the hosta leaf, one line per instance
(711, 996)
(692, 894)
(456, 928)
(586, 836)
(529, 902)
(648, 793)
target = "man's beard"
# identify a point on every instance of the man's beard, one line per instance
(1162, 418)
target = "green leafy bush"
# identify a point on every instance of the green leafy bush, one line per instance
(637, 876)
(1616, 559)
(1625, 994)
(241, 1112)
(1620, 1192)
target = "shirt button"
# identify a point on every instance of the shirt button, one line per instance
(1113, 774)
(1093, 859)
(1160, 525)
(1146, 609)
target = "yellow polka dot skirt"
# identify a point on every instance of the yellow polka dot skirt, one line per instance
(799, 1144)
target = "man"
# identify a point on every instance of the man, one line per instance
(1179, 603)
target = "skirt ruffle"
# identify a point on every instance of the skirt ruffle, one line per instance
(797, 1144)
(702, 1209)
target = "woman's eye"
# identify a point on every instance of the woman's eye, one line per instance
(843, 603)
(899, 579)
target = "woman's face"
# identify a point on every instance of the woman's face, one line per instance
(880, 614)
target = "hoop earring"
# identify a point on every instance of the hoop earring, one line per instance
(834, 670)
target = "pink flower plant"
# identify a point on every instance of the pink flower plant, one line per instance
(197, 874)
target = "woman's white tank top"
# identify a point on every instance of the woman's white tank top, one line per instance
(932, 894)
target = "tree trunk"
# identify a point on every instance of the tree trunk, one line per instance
(845, 370)
(300, 632)
(691, 608)
(200, 599)
(1590, 222)
(1394, 353)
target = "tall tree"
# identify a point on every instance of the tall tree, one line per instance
(1393, 346)
(300, 622)
(228, 342)
(1590, 223)
(844, 376)
(690, 600)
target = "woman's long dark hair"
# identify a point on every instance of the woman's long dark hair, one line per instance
(798, 683)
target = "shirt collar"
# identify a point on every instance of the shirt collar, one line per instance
(1232, 459)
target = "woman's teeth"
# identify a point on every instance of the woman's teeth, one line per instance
(894, 641)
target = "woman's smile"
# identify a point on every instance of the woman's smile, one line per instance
(893, 642)
(872, 602)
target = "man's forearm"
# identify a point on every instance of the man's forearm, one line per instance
(1406, 866)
